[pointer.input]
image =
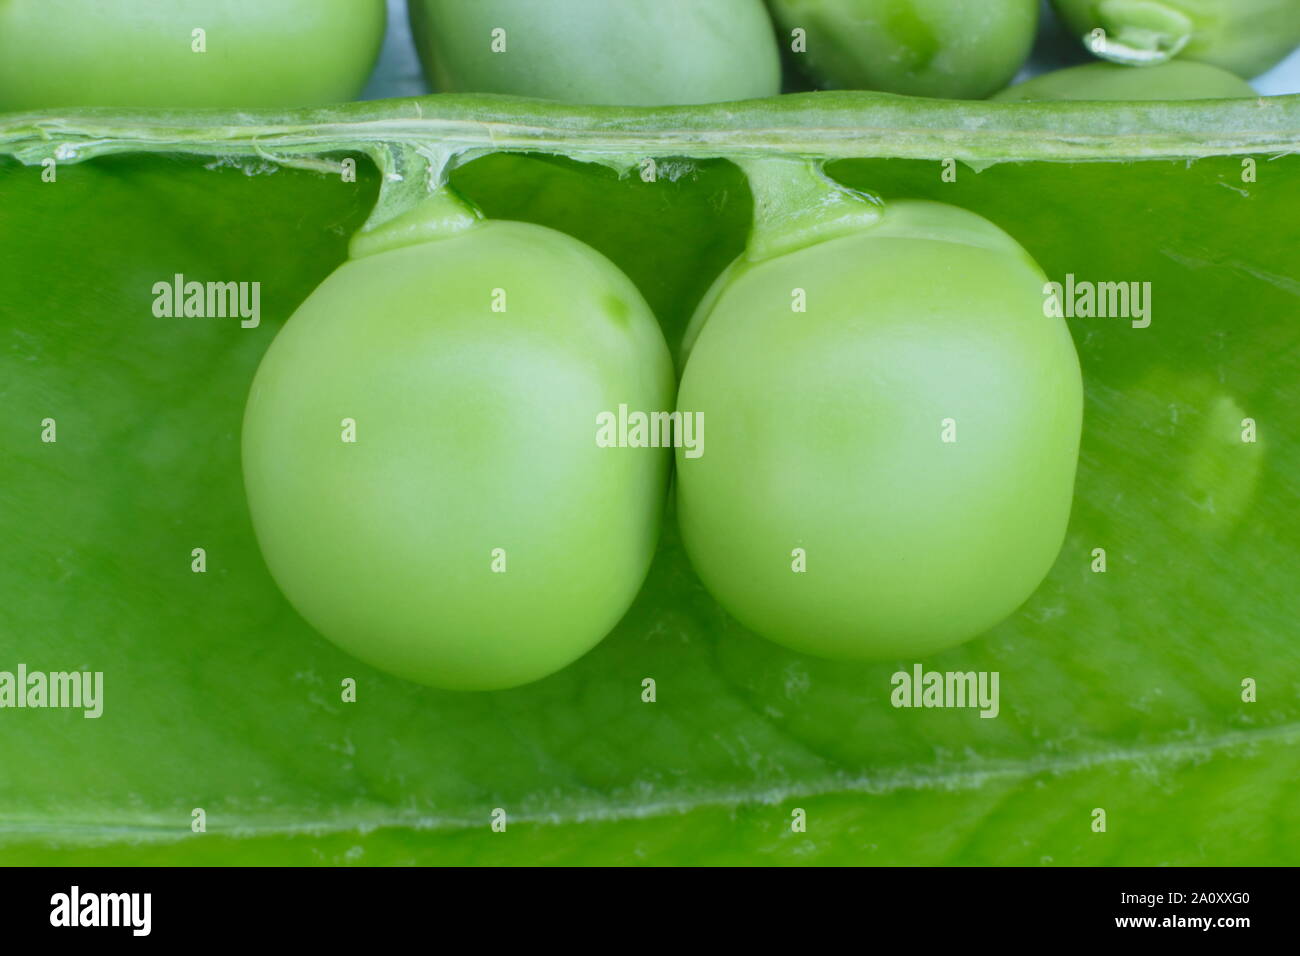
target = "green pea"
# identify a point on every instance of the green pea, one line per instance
(1176, 80)
(421, 457)
(888, 472)
(145, 53)
(918, 47)
(1244, 36)
(617, 52)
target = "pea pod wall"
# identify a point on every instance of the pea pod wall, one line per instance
(1121, 690)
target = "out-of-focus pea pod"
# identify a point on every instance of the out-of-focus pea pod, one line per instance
(1244, 36)
(1111, 81)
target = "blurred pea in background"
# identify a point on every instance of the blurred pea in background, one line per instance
(399, 73)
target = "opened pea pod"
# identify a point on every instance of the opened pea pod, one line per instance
(887, 470)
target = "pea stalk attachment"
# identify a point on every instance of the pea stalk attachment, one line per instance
(442, 214)
(796, 204)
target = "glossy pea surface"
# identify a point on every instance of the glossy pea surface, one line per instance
(473, 535)
(918, 47)
(56, 53)
(911, 437)
(628, 52)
